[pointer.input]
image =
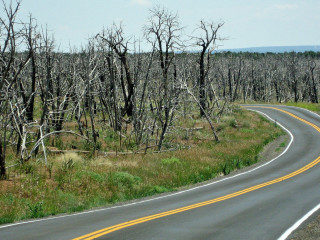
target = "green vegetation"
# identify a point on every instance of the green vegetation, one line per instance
(170, 161)
(72, 182)
(315, 107)
(281, 146)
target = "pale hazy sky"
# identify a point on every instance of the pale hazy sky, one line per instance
(248, 23)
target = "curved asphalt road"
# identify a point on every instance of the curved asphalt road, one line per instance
(255, 205)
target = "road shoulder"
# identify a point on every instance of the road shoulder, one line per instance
(309, 230)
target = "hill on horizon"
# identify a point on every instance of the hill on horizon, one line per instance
(275, 49)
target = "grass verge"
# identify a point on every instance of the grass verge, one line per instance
(71, 182)
(315, 107)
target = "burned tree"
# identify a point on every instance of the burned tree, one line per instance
(206, 41)
(163, 32)
(114, 37)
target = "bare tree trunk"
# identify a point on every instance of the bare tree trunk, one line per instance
(230, 84)
(2, 161)
(202, 84)
(314, 97)
(206, 116)
(209, 37)
(30, 106)
(31, 42)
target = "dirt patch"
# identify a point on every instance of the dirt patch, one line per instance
(308, 231)
(274, 149)
(5, 185)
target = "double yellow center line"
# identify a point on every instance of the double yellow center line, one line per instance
(114, 228)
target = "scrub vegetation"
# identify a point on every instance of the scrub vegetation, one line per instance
(76, 181)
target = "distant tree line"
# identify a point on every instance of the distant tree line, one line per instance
(268, 77)
(137, 94)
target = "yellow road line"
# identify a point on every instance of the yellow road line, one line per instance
(114, 228)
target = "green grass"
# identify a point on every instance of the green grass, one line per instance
(72, 183)
(170, 161)
(310, 106)
(281, 146)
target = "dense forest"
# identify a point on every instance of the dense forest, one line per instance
(137, 95)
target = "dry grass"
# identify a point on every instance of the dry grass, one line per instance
(68, 156)
(73, 182)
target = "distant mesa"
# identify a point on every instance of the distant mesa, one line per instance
(275, 49)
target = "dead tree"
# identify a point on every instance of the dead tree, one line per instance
(11, 67)
(293, 75)
(141, 116)
(45, 68)
(109, 84)
(114, 37)
(31, 36)
(313, 85)
(206, 40)
(163, 33)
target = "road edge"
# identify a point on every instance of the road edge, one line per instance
(295, 227)
(135, 202)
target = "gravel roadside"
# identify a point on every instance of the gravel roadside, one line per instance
(309, 230)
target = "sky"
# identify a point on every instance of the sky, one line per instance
(247, 23)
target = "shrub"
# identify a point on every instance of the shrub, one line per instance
(124, 179)
(157, 189)
(36, 210)
(94, 176)
(233, 123)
